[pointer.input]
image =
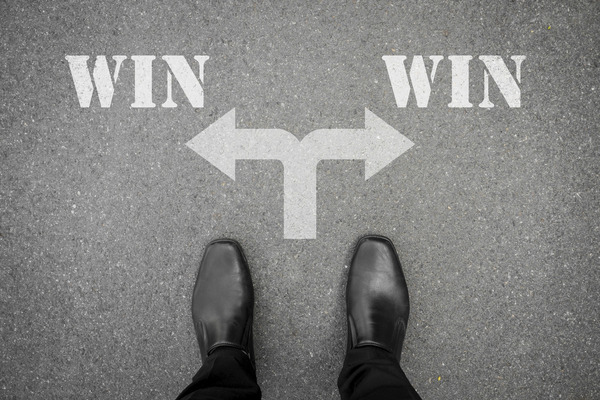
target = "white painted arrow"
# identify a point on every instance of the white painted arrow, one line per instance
(222, 144)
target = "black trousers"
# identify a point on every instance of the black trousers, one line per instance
(369, 373)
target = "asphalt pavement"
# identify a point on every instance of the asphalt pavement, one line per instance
(105, 212)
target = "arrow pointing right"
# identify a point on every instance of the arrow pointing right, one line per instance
(378, 144)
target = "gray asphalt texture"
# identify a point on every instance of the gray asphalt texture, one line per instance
(105, 212)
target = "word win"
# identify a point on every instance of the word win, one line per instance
(417, 79)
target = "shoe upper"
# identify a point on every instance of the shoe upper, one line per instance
(376, 297)
(223, 300)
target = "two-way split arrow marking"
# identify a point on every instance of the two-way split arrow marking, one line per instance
(222, 144)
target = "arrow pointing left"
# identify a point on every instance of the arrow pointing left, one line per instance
(222, 144)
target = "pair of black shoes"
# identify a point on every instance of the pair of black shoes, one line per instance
(376, 298)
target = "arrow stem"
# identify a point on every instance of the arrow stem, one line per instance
(300, 198)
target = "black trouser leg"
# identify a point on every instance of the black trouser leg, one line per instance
(227, 374)
(371, 373)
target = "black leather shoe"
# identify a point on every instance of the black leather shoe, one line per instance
(223, 300)
(376, 297)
